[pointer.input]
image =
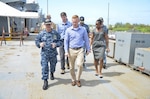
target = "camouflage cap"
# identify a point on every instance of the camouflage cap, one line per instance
(47, 21)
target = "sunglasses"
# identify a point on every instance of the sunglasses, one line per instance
(48, 24)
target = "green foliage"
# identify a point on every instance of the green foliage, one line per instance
(120, 29)
(128, 27)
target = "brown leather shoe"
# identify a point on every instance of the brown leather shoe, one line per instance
(73, 83)
(78, 83)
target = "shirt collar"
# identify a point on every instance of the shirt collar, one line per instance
(65, 23)
(76, 28)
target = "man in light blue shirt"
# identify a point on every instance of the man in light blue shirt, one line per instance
(61, 28)
(76, 38)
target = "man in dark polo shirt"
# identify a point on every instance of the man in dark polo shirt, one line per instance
(88, 31)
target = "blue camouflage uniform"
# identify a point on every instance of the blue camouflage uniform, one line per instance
(48, 54)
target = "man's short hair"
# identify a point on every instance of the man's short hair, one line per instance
(75, 16)
(63, 14)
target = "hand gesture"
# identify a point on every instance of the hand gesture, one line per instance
(42, 44)
(53, 45)
(107, 50)
(88, 52)
(66, 54)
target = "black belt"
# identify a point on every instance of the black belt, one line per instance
(76, 48)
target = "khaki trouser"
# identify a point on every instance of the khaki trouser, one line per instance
(78, 57)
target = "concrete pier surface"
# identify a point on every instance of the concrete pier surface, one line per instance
(20, 78)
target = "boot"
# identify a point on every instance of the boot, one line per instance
(52, 76)
(45, 86)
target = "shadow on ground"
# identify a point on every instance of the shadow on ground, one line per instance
(112, 74)
(89, 83)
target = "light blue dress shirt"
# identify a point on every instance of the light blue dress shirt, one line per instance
(61, 28)
(76, 37)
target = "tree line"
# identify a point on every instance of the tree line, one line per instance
(130, 27)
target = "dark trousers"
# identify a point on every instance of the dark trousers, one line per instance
(62, 57)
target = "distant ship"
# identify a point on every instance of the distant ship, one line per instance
(21, 23)
(31, 7)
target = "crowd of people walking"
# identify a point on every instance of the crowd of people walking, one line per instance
(75, 40)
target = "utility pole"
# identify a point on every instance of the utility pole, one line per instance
(47, 7)
(108, 16)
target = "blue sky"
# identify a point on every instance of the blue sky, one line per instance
(132, 11)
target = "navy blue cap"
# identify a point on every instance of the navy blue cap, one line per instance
(81, 18)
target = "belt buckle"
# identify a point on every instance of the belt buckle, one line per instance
(77, 48)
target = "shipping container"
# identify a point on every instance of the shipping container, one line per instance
(126, 42)
(142, 58)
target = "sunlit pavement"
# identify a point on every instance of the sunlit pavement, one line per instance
(20, 78)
